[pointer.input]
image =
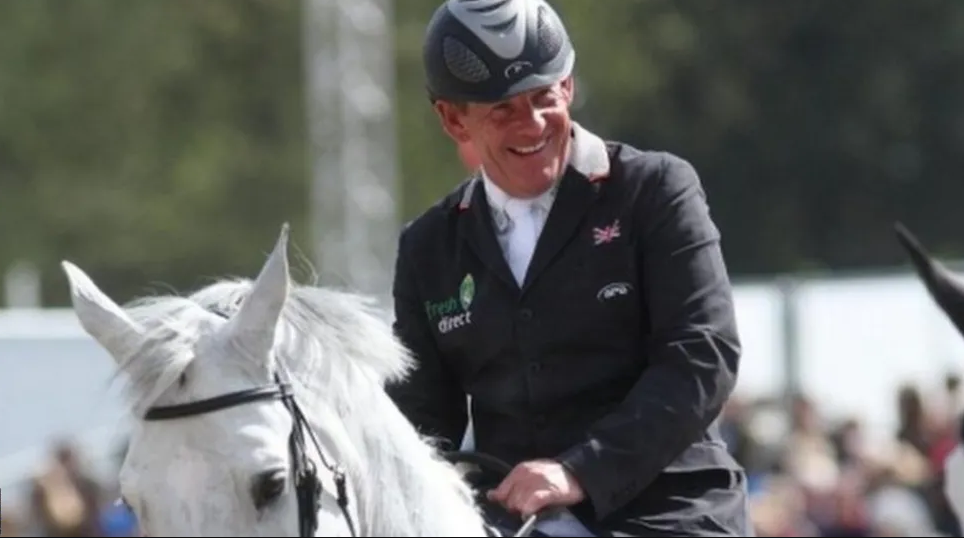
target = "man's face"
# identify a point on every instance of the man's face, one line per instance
(522, 142)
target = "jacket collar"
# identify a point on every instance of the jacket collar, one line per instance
(575, 193)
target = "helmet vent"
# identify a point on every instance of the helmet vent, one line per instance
(487, 7)
(549, 34)
(503, 26)
(464, 64)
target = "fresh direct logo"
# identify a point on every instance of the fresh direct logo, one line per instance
(453, 312)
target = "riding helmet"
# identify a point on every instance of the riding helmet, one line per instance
(490, 50)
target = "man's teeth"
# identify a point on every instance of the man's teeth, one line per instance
(527, 150)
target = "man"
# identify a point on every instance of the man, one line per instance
(574, 288)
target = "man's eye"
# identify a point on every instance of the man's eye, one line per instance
(501, 111)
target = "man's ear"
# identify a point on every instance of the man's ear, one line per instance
(452, 117)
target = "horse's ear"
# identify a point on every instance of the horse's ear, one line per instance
(944, 287)
(255, 323)
(102, 318)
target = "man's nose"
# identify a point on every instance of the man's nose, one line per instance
(532, 120)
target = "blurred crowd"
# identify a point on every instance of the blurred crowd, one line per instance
(807, 477)
(810, 477)
(64, 499)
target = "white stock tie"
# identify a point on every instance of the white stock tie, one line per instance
(523, 234)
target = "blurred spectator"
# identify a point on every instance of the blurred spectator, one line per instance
(13, 524)
(65, 501)
(897, 510)
(848, 443)
(735, 431)
(118, 520)
(780, 509)
(913, 423)
(806, 477)
(58, 505)
(88, 488)
(813, 460)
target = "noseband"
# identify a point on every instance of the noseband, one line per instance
(307, 486)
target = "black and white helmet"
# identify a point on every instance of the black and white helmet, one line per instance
(490, 50)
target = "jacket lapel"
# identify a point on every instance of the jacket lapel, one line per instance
(578, 191)
(574, 198)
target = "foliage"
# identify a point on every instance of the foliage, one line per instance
(166, 141)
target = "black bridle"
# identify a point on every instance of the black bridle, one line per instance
(307, 486)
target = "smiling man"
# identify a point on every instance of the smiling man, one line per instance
(574, 288)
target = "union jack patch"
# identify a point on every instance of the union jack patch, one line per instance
(605, 234)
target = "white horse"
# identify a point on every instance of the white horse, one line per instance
(219, 443)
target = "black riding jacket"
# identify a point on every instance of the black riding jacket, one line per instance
(615, 356)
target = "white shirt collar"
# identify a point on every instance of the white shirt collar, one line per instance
(498, 198)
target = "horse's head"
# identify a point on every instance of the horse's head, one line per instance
(220, 447)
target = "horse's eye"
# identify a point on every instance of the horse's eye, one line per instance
(268, 486)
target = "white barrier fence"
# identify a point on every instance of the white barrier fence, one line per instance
(855, 340)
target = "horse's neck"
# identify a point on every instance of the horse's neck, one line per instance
(401, 487)
(404, 489)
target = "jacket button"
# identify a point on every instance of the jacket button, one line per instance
(525, 314)
(535, 366)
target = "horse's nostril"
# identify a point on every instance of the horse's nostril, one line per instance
(267, 486)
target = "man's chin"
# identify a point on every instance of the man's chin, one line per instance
(552, 172)
(542, 180)
(546, 167)
(533, 177)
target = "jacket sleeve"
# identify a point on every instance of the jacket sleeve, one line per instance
(693, 347)
(430, 397)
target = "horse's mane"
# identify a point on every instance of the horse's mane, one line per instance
(338, 351)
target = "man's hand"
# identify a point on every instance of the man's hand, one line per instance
(533, 485)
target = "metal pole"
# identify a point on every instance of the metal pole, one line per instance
(321, 101)
(350, 61)
(791, 346)
(22, 285)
